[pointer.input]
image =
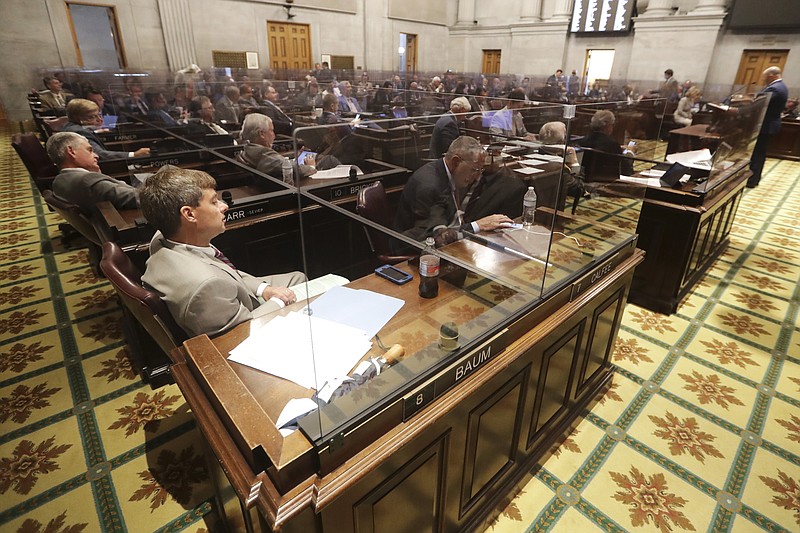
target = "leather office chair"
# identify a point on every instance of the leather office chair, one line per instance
(373, 204)
(54, 125)
(35, 159)
(147, 316)
(77, 221)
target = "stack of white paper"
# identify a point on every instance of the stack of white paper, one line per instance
(307, 350)
(337, 172)
(700, 159)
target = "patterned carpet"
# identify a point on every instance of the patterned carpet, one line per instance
(700, 430)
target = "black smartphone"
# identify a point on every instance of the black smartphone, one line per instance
(393, 274)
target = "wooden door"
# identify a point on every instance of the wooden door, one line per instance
(411, 52)
(491, 62)
(289, 46)
(753, 64)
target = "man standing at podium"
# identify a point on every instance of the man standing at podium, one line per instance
(772, 121)
(203, 290)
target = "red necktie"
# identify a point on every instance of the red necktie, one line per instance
(219, 255)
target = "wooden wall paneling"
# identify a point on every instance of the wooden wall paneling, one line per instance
(414, 491)
(491, 449)
(602, 332)
(555, 380)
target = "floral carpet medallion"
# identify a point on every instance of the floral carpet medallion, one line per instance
(649, 501)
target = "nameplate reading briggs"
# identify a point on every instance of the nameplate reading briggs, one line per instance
(350, 190)
(583, 284)
(454, 374)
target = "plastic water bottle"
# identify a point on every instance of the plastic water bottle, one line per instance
(529, 207)
(286, 169)
(429, 270)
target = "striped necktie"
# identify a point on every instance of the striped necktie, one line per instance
(219, 255)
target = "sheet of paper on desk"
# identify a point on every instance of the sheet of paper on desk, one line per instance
(653, 173)
(548, 157)
(528, 170)
(700, 159)
(317, 286)
(304, 349)
(358, 308)
(651, 182)
(337, 172)
(526, 144)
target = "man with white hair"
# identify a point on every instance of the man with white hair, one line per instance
(436, 85)
(259, 133)
(347, 103)
(772, 121)
(446, 129)
(80, 181)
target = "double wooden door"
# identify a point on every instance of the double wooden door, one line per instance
(753, 64)
(289, 45)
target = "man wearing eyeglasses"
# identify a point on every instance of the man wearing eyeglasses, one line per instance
(438, 195)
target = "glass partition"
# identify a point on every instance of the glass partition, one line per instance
(339, 195)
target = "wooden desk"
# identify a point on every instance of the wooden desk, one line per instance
(786, 143)
(692, 137)
(683, 232)
(446, 467)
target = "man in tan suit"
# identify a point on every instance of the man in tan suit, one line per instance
(204, 292)
(54, 97)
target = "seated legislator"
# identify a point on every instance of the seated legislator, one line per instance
(555, 133)
(84, 116)
(605, 160)
(683, 113)
(79, 180)
(227, 107)
(508, 122)
(282, 122)
(446, 129)
(436, 197)
(259, 134)
(202, 289)
(159, 110)
(96, 96)
(201, 111)
(310, 97)
(54, 98)
(348, 104)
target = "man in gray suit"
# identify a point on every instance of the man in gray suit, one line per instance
(80, 181)
(204, 292)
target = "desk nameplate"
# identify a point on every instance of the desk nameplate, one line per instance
(586, 282)
(457, 371)
(236, 213)
(350, 190)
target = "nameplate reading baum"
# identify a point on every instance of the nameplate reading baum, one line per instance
(455, 373)
(341, 192)
(237, 213)
(583, 284)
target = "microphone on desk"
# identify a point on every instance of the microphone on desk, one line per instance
(227, 198)
(353, 173)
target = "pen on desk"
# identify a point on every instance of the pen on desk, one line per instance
(505, 249)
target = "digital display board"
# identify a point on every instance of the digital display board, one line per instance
(601, 16)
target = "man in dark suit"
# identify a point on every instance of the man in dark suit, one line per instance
(437, 196)
(605, 160)
(283, 124)
(779, 94)
(446, 129)
(79, 180)
(203, 291)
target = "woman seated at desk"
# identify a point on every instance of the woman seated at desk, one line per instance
(84, 118)
(683, 113)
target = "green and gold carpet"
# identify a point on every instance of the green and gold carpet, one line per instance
(699, 432)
